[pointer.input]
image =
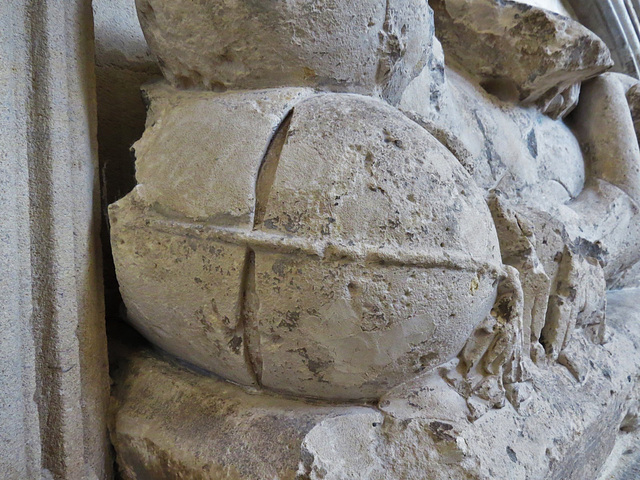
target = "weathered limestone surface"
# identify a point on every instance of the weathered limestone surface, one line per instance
(20, 446)
(624, 461)
(199, 426)
(586, 200)
(604, 115)
(200, 156)
(610, 203)
(361, 46)
(53, 363)
(630, 278)
(521, 52)
(393, 270)
(443, 260)
(247, 287)
(183, 293)
(503, 146)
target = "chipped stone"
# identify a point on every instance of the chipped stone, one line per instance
(360, 46)
(297, 289)
(521, 52)
(415, 433)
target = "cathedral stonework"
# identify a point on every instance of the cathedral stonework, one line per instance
(380, 240)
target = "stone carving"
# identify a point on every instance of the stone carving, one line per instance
(337, 275)
(172, 422)
(520, 52)
(362, 46)
(335, 212)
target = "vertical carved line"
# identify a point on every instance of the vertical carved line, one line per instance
(251, 335)
(268, 168)
(249, 302)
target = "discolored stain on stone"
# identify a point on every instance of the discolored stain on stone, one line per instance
(512, 454)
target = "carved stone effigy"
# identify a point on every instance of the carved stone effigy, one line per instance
(401, 264)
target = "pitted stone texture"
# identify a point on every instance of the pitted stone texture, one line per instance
(503, 146)
(585, 199)
(346, 330)
(359, 173)
(605, 216)
(521, 52)
(182, 293)
(564, 430)
(361, 46)
(610, 205)
(200, 155)
(205, 428)
(371, 255)
(395, 194)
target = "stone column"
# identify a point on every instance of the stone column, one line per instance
(616, 22)
(53, 361)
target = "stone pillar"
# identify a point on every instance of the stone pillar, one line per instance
(54, 379)
(616, 22)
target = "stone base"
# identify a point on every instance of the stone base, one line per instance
(170, 423)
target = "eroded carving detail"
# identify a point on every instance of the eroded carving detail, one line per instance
(357, 220)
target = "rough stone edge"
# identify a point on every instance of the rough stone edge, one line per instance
(129, 413)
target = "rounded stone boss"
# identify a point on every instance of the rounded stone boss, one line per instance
(318, 245)
(370, 47)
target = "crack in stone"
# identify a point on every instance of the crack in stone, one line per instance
(248, 304)
(248, 297)
(268, 168)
